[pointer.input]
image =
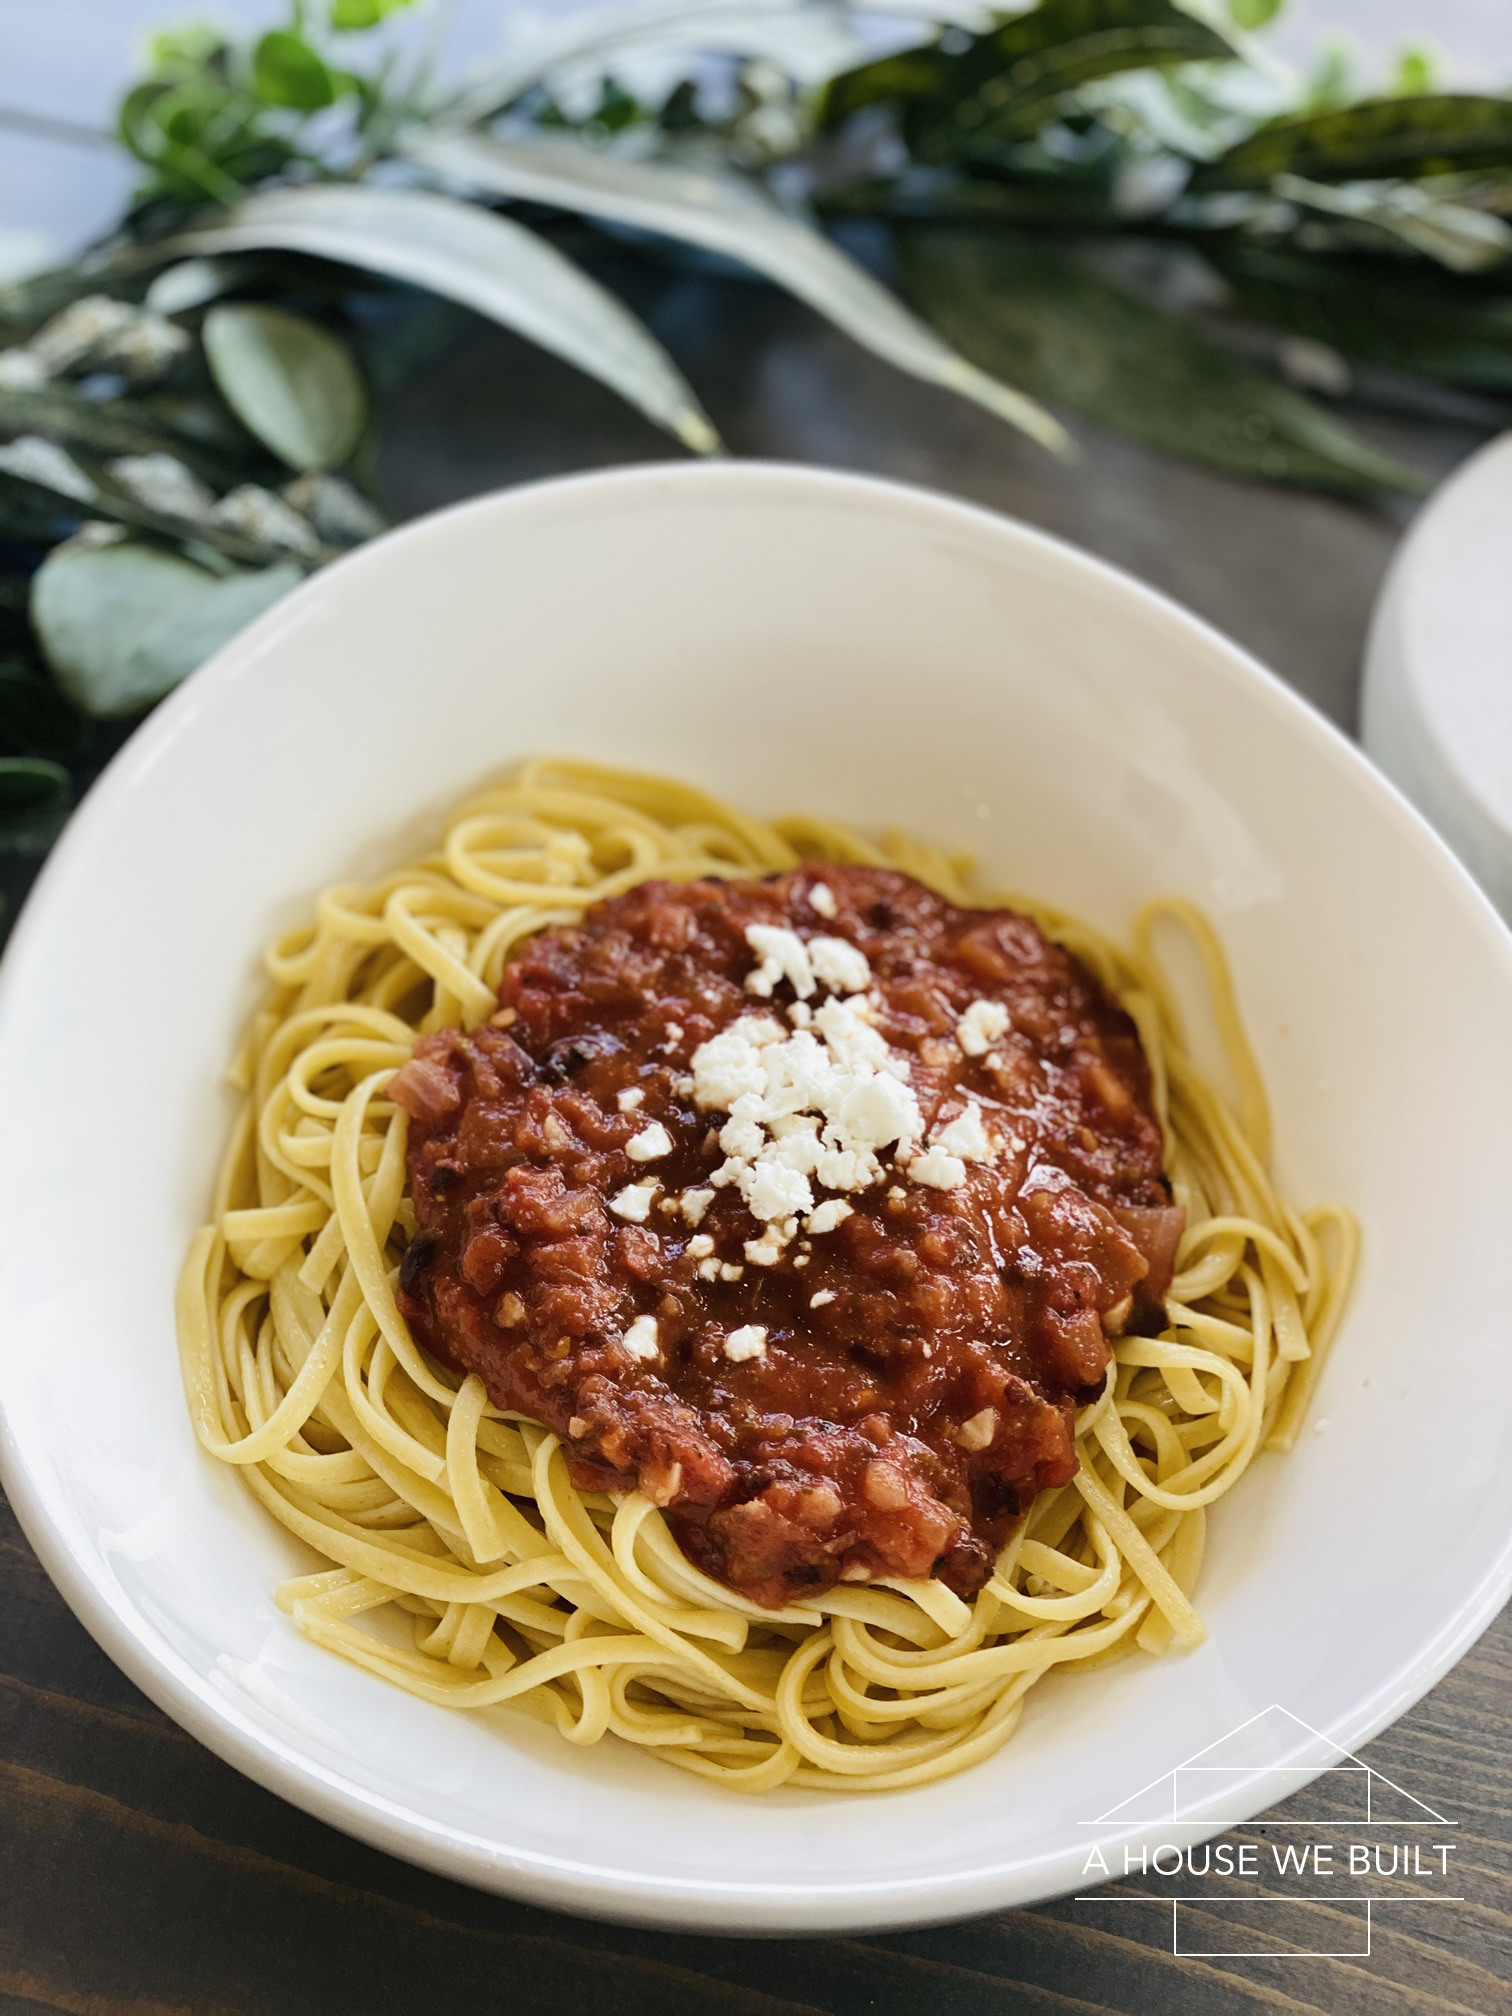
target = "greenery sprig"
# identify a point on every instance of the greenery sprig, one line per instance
(189, 413)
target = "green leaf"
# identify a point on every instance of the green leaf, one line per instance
(720, 214)
(1431, 323)
(28, 785)
(110, 427)
(487, 263)
(122, 625)
(32, 509)
(1253, 14)
(288, 381)
(348, 15)
(1456, 235)
(35, 797)
(910, 74)
(1442, 134)
(1012, 81)
(35, 718)
(287, 71)
(1070, 336)
(1416, 72)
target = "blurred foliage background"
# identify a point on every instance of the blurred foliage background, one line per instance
(1125, 211)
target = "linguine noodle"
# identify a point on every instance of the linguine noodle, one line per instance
(470, 1571)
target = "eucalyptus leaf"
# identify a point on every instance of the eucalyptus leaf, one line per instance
(114, 427)
(1445, 133)
(122, 625)
(721, 214)
(487, 263)
(289, 382)
(191, 283)
(1073, 337)
(32, 509)
(1011, 81)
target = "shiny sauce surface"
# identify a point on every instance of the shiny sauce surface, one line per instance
(877, 1382)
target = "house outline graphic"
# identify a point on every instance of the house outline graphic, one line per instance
(1378, 1801)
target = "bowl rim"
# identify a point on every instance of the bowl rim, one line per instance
(579, 1885)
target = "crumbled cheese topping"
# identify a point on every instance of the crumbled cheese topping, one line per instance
(747, 1342)
(839, 965)
(977, 1433)
(814, 1106)
(823, 899)
(650, 1144)
(641, 1339)
(966, 1137)
(824, 1296)
(629, 1099)
(700, 1246)
(832, 1212)
(783, 956)
(635, 1200)
(695, 1203)
(939, 1170)
(827, 962)
(980, 1027)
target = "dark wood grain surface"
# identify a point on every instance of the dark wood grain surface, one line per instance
(140, 1876)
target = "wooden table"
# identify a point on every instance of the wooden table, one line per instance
(140, 1876)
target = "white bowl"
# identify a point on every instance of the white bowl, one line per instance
(1436, 711)
(791, 639)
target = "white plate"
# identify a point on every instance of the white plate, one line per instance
(1436, 709)
(789, 638)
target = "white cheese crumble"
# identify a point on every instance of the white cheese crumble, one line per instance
(813, 1107)
(966, 1137)
(823, 899)
(980, 1027)
(700, 1245)
(695, 1203)
(629, 1099)
(938, 1170)
(824, 1296)
(832, 1212)
(783, 956)
(708, 1270)
(747, 1342)
(839, 965)
(635, 1200)
(650, 1144)
(977, 1433)
(641, 1339)
(816, 1106)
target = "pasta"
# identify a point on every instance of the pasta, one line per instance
(469, 1570)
